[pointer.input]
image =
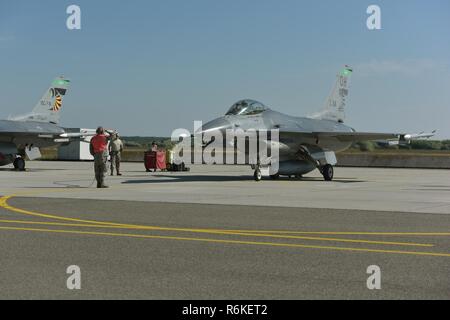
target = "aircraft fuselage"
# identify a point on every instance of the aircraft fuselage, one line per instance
(289, 142)
(16, 135)
(294, 136)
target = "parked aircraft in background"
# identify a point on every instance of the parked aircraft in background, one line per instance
(407, 139)
(24, 135)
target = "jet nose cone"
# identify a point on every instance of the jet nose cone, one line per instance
(219, 124)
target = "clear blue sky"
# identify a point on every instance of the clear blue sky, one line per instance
(148, 67)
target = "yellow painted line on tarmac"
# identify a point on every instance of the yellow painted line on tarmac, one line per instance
(434, 234)
(216, 232)
(274, 234)
(4, 204)
(58, 224)
(273, 244)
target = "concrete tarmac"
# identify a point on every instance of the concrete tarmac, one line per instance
(214, 233)
(402, 190)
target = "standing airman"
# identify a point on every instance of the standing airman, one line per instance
(115, 151)
(99, 149)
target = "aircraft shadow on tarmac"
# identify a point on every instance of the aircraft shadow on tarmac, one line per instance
(209, 178)
(29, 170)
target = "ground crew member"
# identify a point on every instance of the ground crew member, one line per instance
(99, 149)
(115, 151)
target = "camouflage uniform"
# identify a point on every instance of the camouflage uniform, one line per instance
(115, 151)
(100, 167)
(99, 149)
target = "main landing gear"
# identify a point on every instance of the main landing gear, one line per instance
(328, 157)
(19, 164)
(327, 172)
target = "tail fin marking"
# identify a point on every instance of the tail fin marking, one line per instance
(335, 105)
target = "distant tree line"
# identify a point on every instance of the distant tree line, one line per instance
(146, 142)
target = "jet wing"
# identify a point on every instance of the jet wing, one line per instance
(341, 136)
(356, 136)
(372, 136)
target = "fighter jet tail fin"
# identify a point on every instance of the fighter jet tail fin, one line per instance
(47, 109)
(335, 105)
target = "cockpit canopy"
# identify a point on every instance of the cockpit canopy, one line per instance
(246, 107)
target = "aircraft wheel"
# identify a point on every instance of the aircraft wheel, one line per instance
(275, 176)
(328, 172)
(298, 176)
(19, 164)
(257, 175)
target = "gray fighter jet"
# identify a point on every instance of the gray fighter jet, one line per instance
(24, 135)
(305, 143)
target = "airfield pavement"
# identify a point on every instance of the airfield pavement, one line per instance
(214, 233)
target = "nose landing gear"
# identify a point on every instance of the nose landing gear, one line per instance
(257, 175)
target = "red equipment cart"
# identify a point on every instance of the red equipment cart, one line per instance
(155, 160)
